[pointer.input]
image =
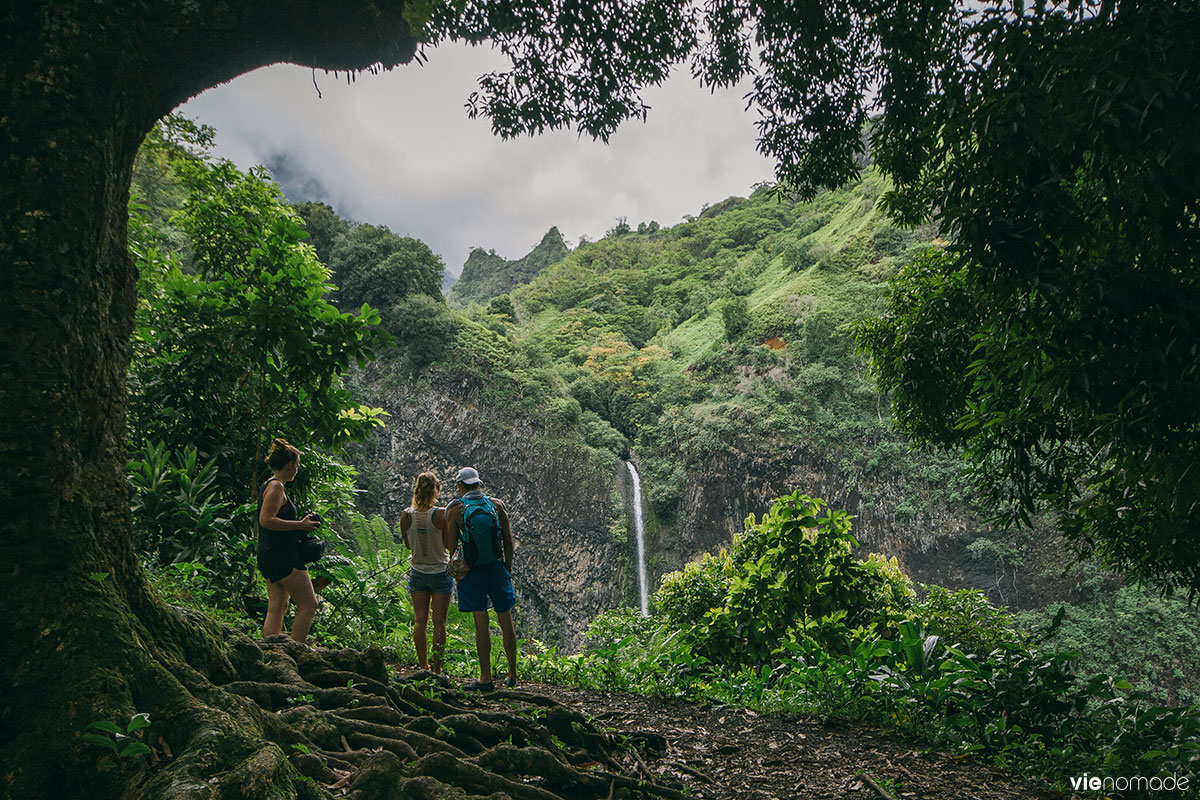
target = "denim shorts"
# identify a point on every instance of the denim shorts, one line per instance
(489, 581)
(436, 582)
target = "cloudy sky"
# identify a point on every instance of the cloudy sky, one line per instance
(398, 150)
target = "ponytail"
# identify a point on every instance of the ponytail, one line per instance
(425, 491)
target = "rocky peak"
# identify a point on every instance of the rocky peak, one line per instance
(486, 274)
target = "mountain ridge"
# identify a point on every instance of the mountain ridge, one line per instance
(486, 275)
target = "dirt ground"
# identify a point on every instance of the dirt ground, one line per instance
(722, 753)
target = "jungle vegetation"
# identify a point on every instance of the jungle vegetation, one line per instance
(862, 641)
(1051, 143)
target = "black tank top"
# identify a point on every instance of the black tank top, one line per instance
(287, 511)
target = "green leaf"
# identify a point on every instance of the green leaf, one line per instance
(99, 741)
(135, 749)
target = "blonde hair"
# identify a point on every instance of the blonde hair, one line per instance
(425, 491)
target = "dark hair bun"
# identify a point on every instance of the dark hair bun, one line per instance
(280, 454)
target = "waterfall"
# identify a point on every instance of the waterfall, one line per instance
(640, 532)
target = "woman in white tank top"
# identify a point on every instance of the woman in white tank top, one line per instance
(428, 581)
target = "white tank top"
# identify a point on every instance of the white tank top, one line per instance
(429, 554)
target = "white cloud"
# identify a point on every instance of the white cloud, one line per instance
(398, 149)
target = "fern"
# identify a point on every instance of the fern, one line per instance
(375, 542)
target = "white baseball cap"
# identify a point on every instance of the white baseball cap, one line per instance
(467, 475)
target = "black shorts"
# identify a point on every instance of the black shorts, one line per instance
(277, 562)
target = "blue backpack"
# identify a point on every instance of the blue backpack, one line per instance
(481, 531)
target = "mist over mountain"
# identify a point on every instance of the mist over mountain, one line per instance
(299, 185)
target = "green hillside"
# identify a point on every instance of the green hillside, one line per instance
(736, 324)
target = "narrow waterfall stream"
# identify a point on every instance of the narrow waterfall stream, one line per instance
(640, 532)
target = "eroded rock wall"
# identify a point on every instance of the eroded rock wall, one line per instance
(560, 496)
(929, 531)
(564, 501)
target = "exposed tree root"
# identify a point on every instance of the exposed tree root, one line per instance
(290, 721)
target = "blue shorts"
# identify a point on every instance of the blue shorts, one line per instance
(489, 581)
(436, 582)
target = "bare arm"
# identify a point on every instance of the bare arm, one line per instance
(273, 498)
(450, 522)
(405, 521)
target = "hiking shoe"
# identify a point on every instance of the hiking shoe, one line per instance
(480, 686)
(510, 683)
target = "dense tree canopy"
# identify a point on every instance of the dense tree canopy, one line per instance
(1056, 339)
(372, 265)
(324, 227)
(243, 344)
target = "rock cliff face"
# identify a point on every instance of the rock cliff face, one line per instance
(727, 487)
(565, 504)
(895, 515)
(559, 495)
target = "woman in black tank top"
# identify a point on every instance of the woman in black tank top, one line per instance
(278, 555)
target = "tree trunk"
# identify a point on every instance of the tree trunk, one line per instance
(85, 638)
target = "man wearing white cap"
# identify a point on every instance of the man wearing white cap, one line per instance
(479, 524)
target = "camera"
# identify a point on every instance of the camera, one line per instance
(315, 517)
(310, 549)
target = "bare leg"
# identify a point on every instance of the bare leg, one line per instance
(277, 603)
(483, 645)
(300, 588)
(441, 603)
(504, 618)
(420, 601)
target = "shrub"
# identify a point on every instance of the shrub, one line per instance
(891, 592)
(178, 518)
(891, 241)
(502, 306)
(175, 511)
(367, 598)
(967, 620)
(664, 488)
(687, 595)
(743, 280)
(1151, 640)
(735, 315)
(564, 412)
(798, 256)
(596, 432)
(791, 570)
(423, 326)
(824, 341)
